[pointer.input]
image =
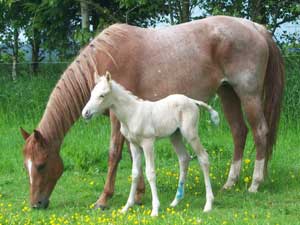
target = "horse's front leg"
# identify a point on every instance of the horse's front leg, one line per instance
(115, 154)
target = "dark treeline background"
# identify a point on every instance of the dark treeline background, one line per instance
(33, 32)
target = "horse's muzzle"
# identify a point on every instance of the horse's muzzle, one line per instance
(41, 204)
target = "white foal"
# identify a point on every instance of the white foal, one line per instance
(144, 121)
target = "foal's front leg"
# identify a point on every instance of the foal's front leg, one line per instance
(136, 173)
(150, 173)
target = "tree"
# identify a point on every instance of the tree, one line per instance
(50, 28)
(271, 13)
(12, 21)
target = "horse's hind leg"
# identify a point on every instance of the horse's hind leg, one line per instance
(232, 110)
(189, 132)
(254, 110)
(184, 159)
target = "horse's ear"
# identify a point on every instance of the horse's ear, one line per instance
(108, 76)
(96, 77)
(24, 133)
(38, 136)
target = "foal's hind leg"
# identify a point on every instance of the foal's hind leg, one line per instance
(189, 131)
(234, 115)
(184, 159)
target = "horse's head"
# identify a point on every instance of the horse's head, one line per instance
(44, 167)
(100, 97)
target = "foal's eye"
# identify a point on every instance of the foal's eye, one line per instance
(101, 96)
(41, 167)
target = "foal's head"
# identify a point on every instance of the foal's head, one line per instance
(44, 167)
(100, 97)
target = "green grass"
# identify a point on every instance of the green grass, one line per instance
(85, 152)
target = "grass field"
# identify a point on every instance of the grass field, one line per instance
(85, 158)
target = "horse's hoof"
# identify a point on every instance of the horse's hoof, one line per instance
(228, 185)
(225, 188)
(138, 202)
(99, 206)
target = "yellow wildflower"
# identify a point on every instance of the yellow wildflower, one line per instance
(247, 161)
(246, 179)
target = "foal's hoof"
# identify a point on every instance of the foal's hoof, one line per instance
(154, 214)
(253, 189)
(99, 206)
(207, 208)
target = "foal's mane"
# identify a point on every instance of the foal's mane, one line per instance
(73, 89)
(125, 91)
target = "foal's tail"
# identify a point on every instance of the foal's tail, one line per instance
(273, 92)
(214, 115)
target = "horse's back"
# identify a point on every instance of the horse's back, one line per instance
(193, 58)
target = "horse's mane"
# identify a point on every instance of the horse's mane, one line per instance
(73, 89)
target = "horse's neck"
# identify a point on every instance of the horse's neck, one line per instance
(124, 104)
(54, 128)
(63, 109)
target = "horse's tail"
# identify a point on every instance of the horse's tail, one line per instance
(273, 92)
(214, 115)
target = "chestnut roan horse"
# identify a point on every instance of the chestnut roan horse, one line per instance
(233, 57)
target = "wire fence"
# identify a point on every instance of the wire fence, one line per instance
(56, 68)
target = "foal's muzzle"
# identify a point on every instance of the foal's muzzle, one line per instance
(87, 115)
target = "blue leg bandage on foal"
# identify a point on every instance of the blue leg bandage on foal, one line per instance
(180, 191)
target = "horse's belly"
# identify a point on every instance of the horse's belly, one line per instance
(177, 76)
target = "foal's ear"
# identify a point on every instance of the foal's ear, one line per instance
(38, 136)
(108, 76)
(24, 133)
(96, 77)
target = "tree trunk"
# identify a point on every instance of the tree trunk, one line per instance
(15, 54)
(35, 50)
(185, 11)
(14, 68)
(84, 15)
(171, 12)
(95, 20)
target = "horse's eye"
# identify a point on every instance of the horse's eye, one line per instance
(101, 96)
(41, 167)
